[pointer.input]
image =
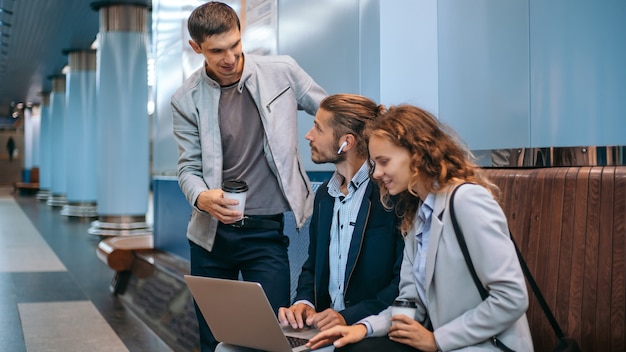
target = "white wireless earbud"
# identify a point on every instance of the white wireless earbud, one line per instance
(345, 143)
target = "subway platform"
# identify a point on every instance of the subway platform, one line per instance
(56, 293)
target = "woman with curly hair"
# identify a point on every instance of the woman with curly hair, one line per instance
(420, 160)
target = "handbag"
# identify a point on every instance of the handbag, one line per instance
(564, 343)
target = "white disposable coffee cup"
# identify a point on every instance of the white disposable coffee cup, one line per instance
(236, 189)
(406, 307)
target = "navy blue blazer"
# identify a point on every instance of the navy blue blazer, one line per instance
(374, 258)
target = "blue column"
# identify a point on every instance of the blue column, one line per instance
(80, 134)
(122, 120)
(58, 187)
(45, 155)
(31, 130)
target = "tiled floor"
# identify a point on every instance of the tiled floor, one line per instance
(55, 291)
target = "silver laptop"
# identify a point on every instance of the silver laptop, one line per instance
(239, 313)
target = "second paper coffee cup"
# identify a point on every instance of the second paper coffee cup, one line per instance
(236, 189)
(405, 307)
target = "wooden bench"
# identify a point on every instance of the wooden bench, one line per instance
(30, 187)
(570, 224)
(119, 254)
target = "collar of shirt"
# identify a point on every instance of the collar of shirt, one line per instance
(426, 209)
(361, 177)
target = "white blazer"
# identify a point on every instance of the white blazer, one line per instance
(460, 319)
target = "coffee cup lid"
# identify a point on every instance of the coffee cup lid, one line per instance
(404, 303)
(234, 186)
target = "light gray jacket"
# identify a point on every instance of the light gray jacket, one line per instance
(279, 88)
(460, 319)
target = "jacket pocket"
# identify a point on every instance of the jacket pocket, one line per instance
(268, 106)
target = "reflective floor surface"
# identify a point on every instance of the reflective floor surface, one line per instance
(55, 291)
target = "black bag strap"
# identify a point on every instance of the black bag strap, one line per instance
(529, 277)
(470, 265)
(461, 238)
(537, 291)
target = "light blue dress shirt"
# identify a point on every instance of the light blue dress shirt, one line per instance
(422, 235)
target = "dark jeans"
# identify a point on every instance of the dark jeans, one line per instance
(260, 256)
(377, 344)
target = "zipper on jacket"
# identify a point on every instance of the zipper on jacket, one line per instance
(308, 192)
(276, 98)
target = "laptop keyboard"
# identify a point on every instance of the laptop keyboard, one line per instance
(296, 341)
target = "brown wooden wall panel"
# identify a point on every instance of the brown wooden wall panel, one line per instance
(550, 239)
(570, 224)
(605, 256)
(540, 239)
(561, 309)
(618, 271)
(578, 264)
(590, 275)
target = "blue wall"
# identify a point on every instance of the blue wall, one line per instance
(577, 72)
(171, 215)
(533, 73)
(484, 71)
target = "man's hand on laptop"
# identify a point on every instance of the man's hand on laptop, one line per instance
(325, 319)
(338, 336)
(296, 315)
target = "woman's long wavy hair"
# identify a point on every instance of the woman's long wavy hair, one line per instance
(438, 159)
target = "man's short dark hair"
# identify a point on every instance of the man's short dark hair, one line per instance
(211, 19)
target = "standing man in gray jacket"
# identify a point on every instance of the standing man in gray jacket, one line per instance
(236, 119)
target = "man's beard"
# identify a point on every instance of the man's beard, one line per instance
(332, 159)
